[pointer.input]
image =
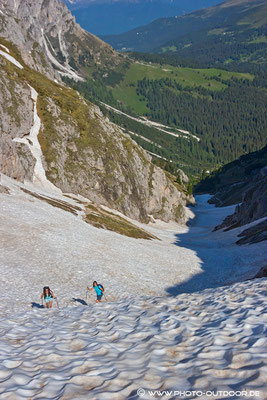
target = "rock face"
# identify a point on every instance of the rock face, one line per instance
(228, 184)
(253, 205)
(262, 273)
(16, 160)
(82, 151)
(255, 234)
(99, 161)
(50, 41)
(245, 182)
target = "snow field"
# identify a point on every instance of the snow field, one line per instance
(43, 245)
(207, 341)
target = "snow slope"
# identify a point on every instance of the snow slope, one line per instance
(208, 340)
(54, 247)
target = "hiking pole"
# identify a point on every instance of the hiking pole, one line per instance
(57, 302)
(87, 291)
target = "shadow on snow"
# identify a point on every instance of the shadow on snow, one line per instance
(213, 257)
(81, 301)
(36, 305)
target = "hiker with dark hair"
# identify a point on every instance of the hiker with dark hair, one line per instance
(99, 291)
(48, 296)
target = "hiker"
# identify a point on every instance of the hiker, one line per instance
(99, 291)
(48, 296)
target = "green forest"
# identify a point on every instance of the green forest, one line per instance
(226, 111)
(233, 49)
(229, 122)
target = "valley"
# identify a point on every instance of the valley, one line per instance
(231, 34)
(187, 78)
(213, 105)
(213, 101)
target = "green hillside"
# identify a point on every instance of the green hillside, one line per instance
(237, 45)
(231, 34)
(127, 94)
(223, 112)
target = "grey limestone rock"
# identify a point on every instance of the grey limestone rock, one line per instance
(255, 234)
(49, 39)
(253, 205)
(16, 113)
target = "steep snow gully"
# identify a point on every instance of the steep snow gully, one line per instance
(211, 341)
(9, 57)
(56, 247)
(31, 140)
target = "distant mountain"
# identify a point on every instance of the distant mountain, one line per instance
(105, 17)
(231, 31)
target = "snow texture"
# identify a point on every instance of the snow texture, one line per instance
(212, 340)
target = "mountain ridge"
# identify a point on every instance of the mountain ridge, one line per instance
(110, 17)
(174, 31)
(51, 41)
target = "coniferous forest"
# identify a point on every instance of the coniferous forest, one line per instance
(228, 122)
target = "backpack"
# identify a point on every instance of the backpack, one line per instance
(101, 287)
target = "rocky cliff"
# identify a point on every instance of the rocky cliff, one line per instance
(253, 205)
(81, 151)
(50, 41)
(242, 182)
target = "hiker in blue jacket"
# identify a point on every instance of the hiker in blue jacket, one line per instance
(99, 291)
